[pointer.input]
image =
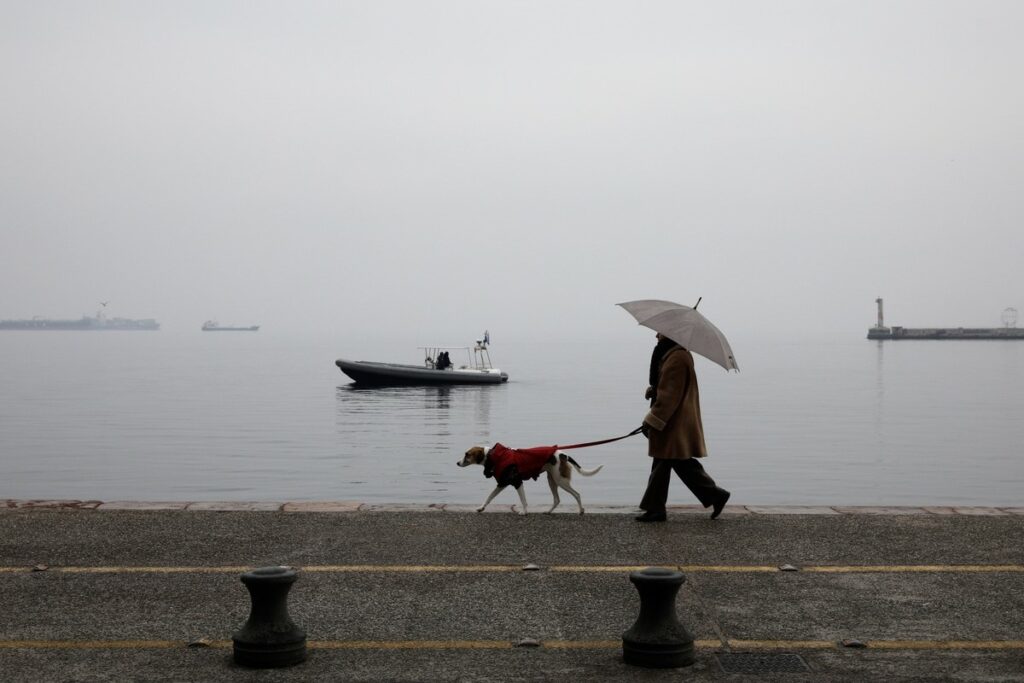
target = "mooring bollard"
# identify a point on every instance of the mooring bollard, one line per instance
(269, 638)
(657, 640)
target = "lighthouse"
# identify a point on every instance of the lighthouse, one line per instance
(879, 331)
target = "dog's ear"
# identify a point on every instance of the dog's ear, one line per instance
(475, 454)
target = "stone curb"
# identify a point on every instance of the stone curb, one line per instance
(349, 506)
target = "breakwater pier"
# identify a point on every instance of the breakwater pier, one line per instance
(1008, 331)
(151, 591)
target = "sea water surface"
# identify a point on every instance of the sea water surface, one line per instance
(253, 416)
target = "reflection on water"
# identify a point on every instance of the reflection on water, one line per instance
(878, 406)
(429, 419)
(879, 370)
(437, 401)
(420, 431)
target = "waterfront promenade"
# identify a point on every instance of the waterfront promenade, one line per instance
(150, 592)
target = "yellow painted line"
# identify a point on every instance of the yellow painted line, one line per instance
(349, 568)
(819, 569)
(149, 570)
(345, 568)
(946, 644)
(92, 644)
(610, 644)
(726, 568)
(680, 567)
(782, 644)
(410, 645)
(879, 644)
(509, 568)
(907, 568)
(413, 568)
(606, 568)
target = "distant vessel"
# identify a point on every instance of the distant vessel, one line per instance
(437, 368)
(214, 326)
(86, 323)
(1009, 330)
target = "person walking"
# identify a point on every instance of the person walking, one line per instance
(675, 435)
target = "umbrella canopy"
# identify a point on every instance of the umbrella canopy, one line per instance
(686, 327)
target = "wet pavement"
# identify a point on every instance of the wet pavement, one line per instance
(118, 591)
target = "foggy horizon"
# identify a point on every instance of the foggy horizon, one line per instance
(424, 171)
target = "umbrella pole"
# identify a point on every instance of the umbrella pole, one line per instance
(699, 299)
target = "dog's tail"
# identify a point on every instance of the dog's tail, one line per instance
(576, 466)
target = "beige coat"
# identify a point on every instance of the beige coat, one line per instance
(676, 431)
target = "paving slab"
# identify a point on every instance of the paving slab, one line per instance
(52, 504)
(235, 506)
(323, 506)
(687, 509)
(940, 510)
(791, 510)
(599, 509)
(988, 511)
(120, 505)
(399, 507)
(491, 509)
(879, 510)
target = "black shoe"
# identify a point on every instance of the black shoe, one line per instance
(651, 517)
(719, 504)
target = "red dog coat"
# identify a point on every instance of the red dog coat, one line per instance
(507, 465)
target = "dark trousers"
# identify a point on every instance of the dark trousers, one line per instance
(690, 471)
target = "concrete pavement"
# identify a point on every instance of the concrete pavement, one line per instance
(436, 593)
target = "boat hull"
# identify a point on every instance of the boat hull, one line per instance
(85, 324)
(393, 374)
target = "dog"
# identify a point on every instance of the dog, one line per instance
(511, 466)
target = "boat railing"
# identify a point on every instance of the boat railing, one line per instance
(477, 357)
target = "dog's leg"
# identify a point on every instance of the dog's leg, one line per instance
(554, 492)
(564, 483)
(496, 491)
(522, 497)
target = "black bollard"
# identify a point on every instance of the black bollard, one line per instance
(657, 640)
(269, 638)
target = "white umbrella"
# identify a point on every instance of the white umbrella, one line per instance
(686, 327)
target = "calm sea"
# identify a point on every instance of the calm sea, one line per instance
(251, 416)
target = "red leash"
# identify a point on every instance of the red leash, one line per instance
(598, 443)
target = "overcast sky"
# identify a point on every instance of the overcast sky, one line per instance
(426, 170)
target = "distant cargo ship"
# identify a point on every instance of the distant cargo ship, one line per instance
(86, 323)
(214, 326)
(1009, 330)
